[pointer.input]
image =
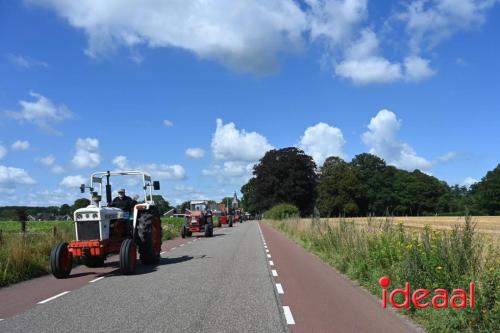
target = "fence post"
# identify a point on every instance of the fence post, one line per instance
(54, 231)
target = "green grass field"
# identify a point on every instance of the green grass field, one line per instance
(26, 256)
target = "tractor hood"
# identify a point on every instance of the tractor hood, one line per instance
(92, 212)
(194, 213)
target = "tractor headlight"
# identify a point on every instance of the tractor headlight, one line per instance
(94, 215)
(78, 216)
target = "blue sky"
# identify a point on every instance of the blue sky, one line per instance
(89, 86)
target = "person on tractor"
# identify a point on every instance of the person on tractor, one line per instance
(123, 202)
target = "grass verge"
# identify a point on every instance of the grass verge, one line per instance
(427, 259)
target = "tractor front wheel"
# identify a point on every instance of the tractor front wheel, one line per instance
(184, 231)
(61, 260)
(209, 230)
(128, 257)
(230, 223)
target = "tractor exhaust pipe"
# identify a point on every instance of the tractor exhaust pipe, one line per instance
(108, 189)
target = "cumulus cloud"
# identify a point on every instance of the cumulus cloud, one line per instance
(322, 141)
(3, 152)
(164, 171)
(417, 68)
(49, 162)
(11, 176)
(157, 171)
(382, 138)
(195, 153)
(121, 162)
(430, 22)
(42, 112)
(20, 145)
(468, 181)
(87, 153)
(73, 181)
(246, 35)
(168, 123)
(232, 144)
(25, 62)
(232, 172)
(251, 36)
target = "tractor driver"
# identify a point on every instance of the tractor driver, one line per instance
(123, 202)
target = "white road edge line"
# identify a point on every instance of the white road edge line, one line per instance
(182, 244)
(53, 297)
(95, 280)
(288, 315)
(1, 319)
(275, 273)
(271, 263)
(173, 248)
(268, 255)
(279, 288)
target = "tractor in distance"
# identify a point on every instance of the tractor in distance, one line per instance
(102, 230)
(199, 218)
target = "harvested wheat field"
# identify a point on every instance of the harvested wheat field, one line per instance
(484, 224)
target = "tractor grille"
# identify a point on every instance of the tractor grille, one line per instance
(88, 230)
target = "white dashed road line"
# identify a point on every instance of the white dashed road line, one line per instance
(271, 263)
(268, 255)
(53, 297)
(274, 272)
(95, 280)
(279, 288)
(173, 248)
(182, 244)
(288, 315)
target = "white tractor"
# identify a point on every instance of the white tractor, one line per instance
(102, 229)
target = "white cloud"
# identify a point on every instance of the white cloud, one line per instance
(168, 123)
(322, 141)
(363, 65)
(448, 156)
(20, 145)
(468, 181)
(3, 152)
(245, 35)
(42, 112)
(87, 153)
(382, 138)
(231, 144)
(49, 162)
(164, 171)
(430, 22)
(195, 153)
(335, 20)
(417, 68)
(121, 162)
(11, 176)
(230, 172)
(25, 62)
(73, 181)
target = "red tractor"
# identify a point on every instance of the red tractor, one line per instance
(102, 230)
(198, 219)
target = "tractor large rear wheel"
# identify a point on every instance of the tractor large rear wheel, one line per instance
(149, 233)
(61, 260)
(128, 257)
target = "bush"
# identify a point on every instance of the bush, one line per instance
(281, 212)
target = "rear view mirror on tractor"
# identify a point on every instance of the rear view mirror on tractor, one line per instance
(82, 188)
(156, 185)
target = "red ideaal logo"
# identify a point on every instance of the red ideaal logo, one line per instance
(457, 300)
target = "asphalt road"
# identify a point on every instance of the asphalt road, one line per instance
(248, 278)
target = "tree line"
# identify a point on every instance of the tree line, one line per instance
(13, 213)
(364, 186)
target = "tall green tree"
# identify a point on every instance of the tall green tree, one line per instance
(285, 175)
(162, 204)
(486, 193)
(338, 188)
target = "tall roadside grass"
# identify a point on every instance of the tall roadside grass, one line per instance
(26, 256)
(427, 259)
